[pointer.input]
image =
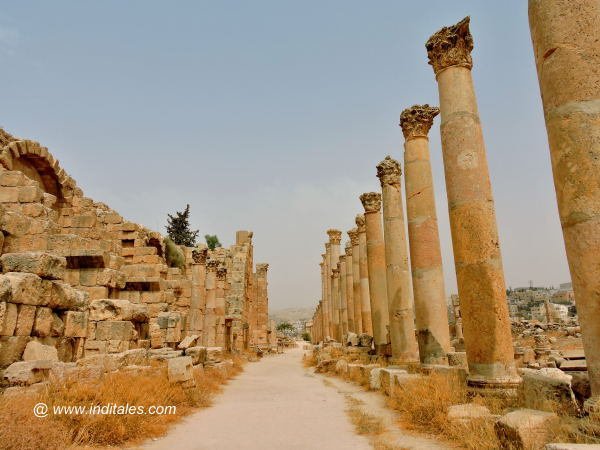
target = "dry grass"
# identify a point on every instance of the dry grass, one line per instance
(364, 423)
(309, 359)
(21, 430)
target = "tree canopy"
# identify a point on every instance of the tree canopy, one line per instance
(178, 228)
(212, 241)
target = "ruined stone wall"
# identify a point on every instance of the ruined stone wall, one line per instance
(77, 277)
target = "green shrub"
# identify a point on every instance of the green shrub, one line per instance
(174, 255)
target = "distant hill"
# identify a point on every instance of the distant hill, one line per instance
(291, 314)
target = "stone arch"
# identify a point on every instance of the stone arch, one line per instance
(38, 164)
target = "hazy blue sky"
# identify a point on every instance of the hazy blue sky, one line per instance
(271, 116)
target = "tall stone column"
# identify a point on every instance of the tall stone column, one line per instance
(335, 238)
(363, 266)
(324, 323)
(220, 307)
(349, 288)
(262, 304)
(343, 297)
(475, 240)
(377, 272)
(198, 300)
(335, 293)
(399, 289)
(209, 336)
(328, 299)
(566, 40)
(433, 334)
(358, 324)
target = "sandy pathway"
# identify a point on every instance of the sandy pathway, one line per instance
(273, 404)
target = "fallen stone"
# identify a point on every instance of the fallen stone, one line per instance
(23, 373)
(36, 351)
(198, 354)
(325, 366)
(341, 367)
(44, 265)
(387, 378)
(214, 354)
(548, 384)
(466, 412)
(352, 339)
(525, 428)
(180, 370)
(188, 342)
(375, 379)
(365, 340)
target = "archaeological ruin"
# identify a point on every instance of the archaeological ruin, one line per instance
(82, 286)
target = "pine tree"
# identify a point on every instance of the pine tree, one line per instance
(212, 241)
(178, 228)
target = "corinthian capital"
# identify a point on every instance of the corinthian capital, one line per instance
(417, 120)
(360, 223)
(348, 248)
(389, 171)
(211, 265)
(335, 236)
(199, 255)
(335, 272)
(353, 235)
(451, 46)
(371, 201)
(221, 273)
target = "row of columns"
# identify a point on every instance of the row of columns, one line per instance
(567, 60)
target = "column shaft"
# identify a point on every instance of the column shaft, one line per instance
(356, 290)
(350, 290)
(343, 297)
(365, 295)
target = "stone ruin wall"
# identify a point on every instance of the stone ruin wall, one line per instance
(78, 277)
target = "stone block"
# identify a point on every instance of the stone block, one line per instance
(466, 412)
(9, 194)
(117, 346)
(113, 309)
(12, 348)
(115, 330)
(525, 428)
(8, 318)
(188, 342)
(458, 359)
(180, 370)
(27, 372)
(93, 347)
(29, 194)
(548, 384)
(75, 324)
(42, 264)
(36, 351)
(341, 367)
(58, 326)
(63, 296)
(27, 289)
(198, 354)
(173, 335)
(214, 354)
(352, 339)
(25, 319)
(42, 325)
(365, 340)
(388, 377)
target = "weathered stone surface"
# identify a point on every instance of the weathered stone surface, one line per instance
(27, 372)
(548, 384)
(214, 354)
(8, 318)
(365, 340)
(180, 370)
(63, 296)
(12, 348)
(525, 428)
(42, 325)
(27, 289)
(458, 359)
(76, 323)
(188, 342)
(352, 339)
(388, 376)
(36, 351)
(375, 379)
(44, 265)
(341, 367)
(25, 320)
(111, 309)
(198, 354)
(115, 330)
(468, 411)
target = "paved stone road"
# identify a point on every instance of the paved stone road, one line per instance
(273, 404)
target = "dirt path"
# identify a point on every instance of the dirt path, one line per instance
(273, 404)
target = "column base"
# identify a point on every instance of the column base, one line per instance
(499, 387)
(382, 349)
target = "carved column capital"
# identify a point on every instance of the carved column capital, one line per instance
(451, 46)
(342, 259)
(388, 172)
(221, 273)
(348, 248)
(417, 120)
(353, 235)
(199, 255)
(335, 236)
(211, 265)
(360, 223)
(371, 201)
(261, 269)
(335, 272)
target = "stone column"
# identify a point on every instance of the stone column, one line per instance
(328, 300)
(335, 294)
(377, 277)
(220, 307)
(349, 288)
(335, 237)
(198, 300)
(343, 298)
(399, 289)
(433, 334)
(475, 240)
(209, 333)
(353, 234)
(566, 40)
(262, 303)
(324, 325)
(365, 295)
